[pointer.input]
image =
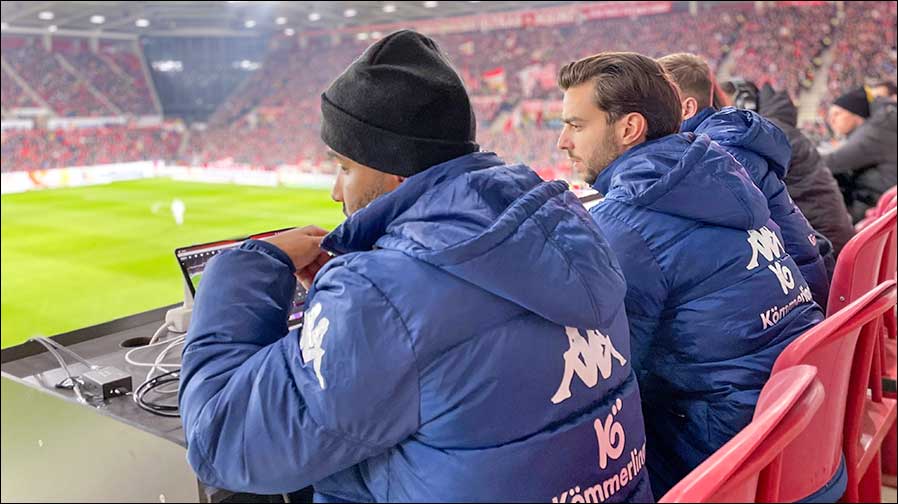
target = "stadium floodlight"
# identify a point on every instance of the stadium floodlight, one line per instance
(97, 19)
(142, 23)
(249, 23)
(289, 32)
(431, 4)
(350, 12)
(314, 16)
(389, 8)
(45, 15)
(281, 20)
(52, 28)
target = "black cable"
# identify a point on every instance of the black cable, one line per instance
(166, 410)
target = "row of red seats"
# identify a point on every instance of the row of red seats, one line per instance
(825, 396)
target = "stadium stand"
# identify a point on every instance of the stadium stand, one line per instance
(25, 150)
(509, 72)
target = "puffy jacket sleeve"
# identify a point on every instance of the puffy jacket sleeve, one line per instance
(267, 411)
(647, 289)
(860, 150)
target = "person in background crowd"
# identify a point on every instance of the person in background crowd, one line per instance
(762, 149)
(867, 162)
(712, 296)
(809, 181)
(471, 330)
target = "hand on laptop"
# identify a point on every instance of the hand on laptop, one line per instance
(303, 245)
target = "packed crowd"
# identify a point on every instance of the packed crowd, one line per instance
(784, 58)
(284, 89)
(275, 111)
(64, 91)
(54, 83)
(13, 95)
(868, 55)
(130, 95)
(25, 150)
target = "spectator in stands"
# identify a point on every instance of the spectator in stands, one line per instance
(435, 361)
(809, 181)
(866, 163)
(762, 149)
(712, 297)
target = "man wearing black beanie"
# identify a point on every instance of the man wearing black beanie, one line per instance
(468, 341)
(865, 164)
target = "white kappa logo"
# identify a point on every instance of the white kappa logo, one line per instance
(766, 243)
(587, 358)
(313, 332)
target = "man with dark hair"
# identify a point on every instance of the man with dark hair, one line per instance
(866, 164)
(712, 296)
(467, 343)
(762, 149)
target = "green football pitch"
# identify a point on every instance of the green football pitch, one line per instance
(77, 257)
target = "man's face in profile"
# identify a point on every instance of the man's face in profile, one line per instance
(587, 138)
(358, 185)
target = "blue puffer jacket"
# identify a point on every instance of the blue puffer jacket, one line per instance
(439, 360)
(712, 297)
(764, 150)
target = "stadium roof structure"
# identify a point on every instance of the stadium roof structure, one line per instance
(217, 18)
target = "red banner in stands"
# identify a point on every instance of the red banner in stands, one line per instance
(809, 3)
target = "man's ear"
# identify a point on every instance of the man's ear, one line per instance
(631, 129)
(690, 107)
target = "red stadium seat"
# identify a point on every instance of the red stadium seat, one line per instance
(888, 352)
(842, 348)
(887, 201)
(859, 263)
(786, 405)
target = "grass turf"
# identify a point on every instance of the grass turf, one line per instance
(77, 257)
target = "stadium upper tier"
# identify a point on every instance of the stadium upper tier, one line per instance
(274, 114)
(73, 80)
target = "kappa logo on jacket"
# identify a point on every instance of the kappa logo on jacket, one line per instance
(766, 243)
(313, 332)
(587, 358)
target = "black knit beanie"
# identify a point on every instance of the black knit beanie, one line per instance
(855, 101)
(399, 108)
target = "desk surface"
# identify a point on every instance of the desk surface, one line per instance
(30, 363)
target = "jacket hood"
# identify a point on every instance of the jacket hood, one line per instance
(688, 176)
(501, 228)
(777, 106)
(744, 129)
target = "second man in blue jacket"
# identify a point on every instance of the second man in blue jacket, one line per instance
(712, 297)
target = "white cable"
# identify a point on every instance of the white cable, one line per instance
(158, 333)
(130, 360)
(61, 347)
(158, 363)
(65, 367)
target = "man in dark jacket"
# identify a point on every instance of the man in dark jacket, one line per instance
(868, 159)
(712, 296)
(467, 343)
(810, 183)
(762, 149)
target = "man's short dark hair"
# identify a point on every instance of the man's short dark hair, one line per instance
(692, 74)
(627, 82)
